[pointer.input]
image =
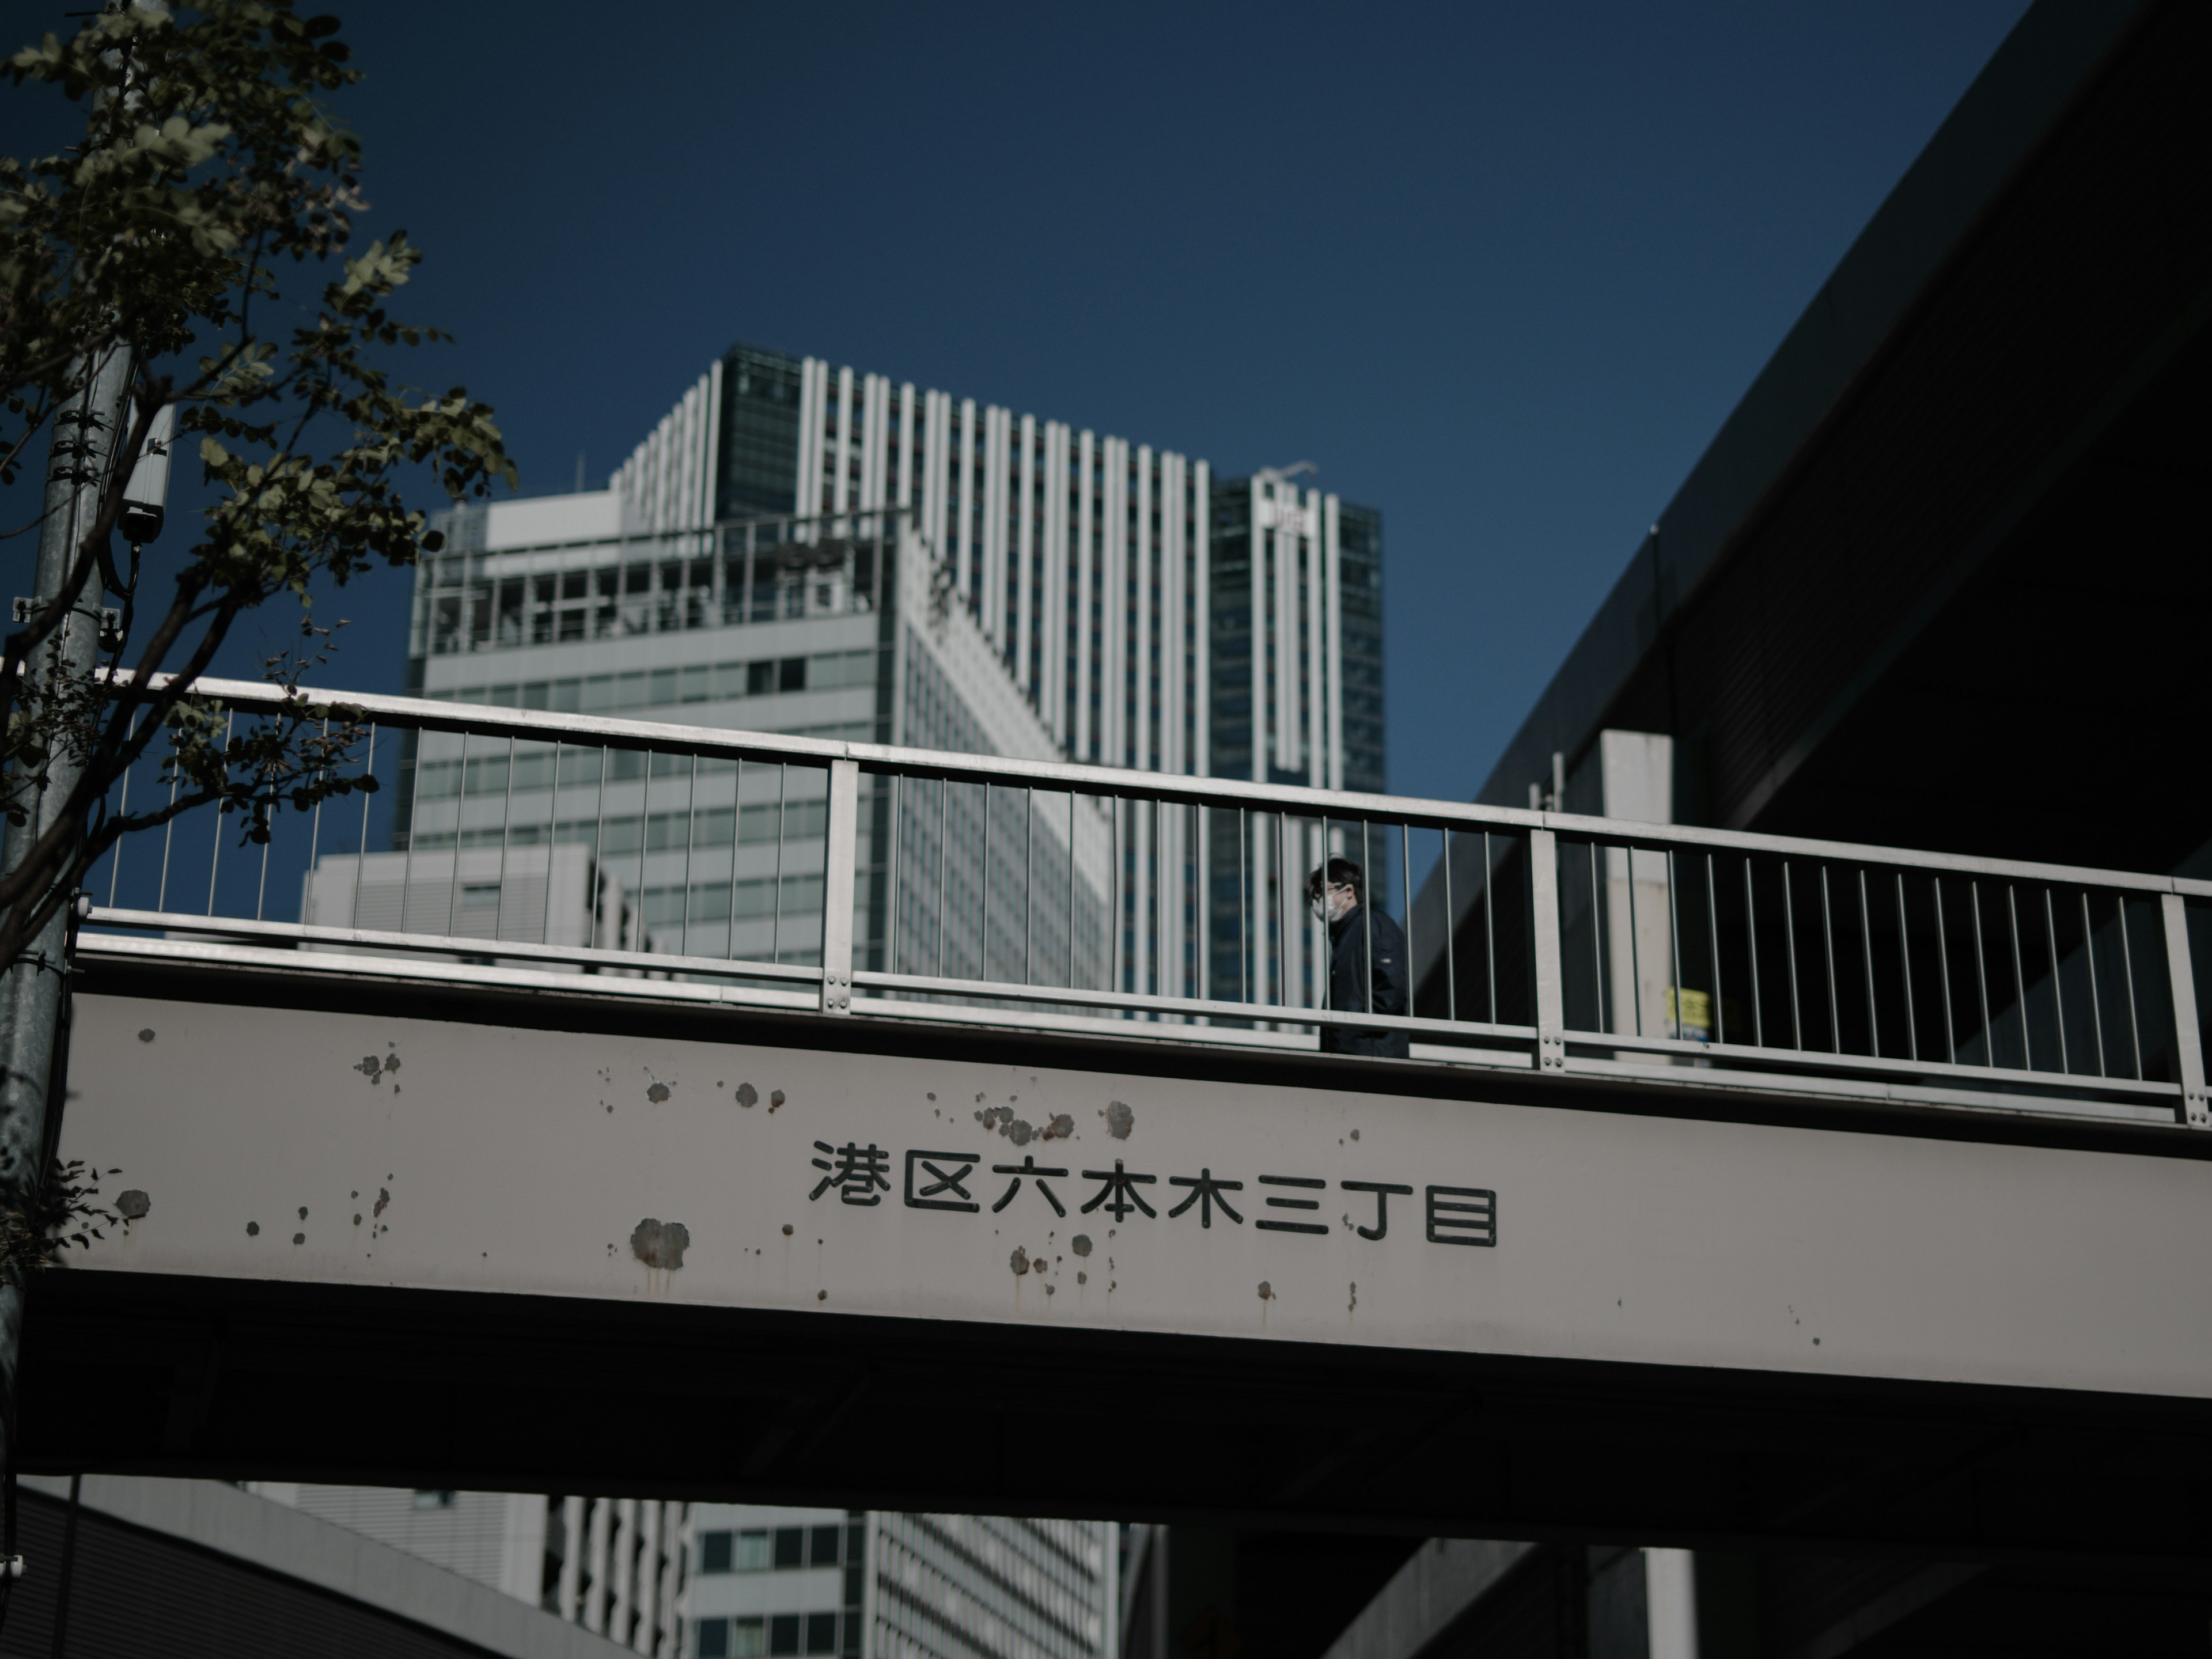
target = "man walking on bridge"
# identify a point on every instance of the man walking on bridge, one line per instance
(1367, 955)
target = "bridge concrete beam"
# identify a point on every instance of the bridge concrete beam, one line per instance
(597, 1250)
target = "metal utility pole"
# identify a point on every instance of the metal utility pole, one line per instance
(79, 471)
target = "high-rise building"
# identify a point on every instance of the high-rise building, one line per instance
(769, 1582)
(1089, 562)
(797, 548)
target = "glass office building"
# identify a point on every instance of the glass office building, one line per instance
(770, 1583)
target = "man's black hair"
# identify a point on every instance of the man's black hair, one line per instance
(1341, 872)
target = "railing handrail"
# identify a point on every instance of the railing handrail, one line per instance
(428, 715)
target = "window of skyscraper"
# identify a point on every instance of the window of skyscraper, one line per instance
(791, 1546)
(822, 1546)
(822, 1632)
(714, 1553)
(753, 1553)
(783, 1633)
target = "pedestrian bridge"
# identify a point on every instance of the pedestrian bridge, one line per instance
(1737, 1188)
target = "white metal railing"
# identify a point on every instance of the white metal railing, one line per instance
(855, 878)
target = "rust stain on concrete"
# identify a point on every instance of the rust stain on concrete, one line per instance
(661, 1244)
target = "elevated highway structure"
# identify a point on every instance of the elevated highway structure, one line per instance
(1743, 1187)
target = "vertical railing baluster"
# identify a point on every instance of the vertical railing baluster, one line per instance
(123, 810)
(360, 865)
(2058, 991)
(983, 940)
(552, 840)
(1029, 879)
(1318, 927)
(690, 839)
(1405, 894)
(1675, 940)
(1156, 966)
(2018, 977)
(1598, 942)
(1489, 924)
(1751, 938)
(460, 816)
(2020, 981)
(2128, 971)
(1713, 947)
(1071, 890)
(1866, 956)
(1635, 950)
(891, 872)
(1828, 950)
(1904, 961)
(1114, 885)
(2096, 1000)
(506, 835)
(414, 828)
(776, 914)
(1366, 907)
(1981, 974)
(1943, 977)
(944, 820)
(644, 843)
(1451, 926)
(1789, 944)
(736, 835)
(1243, 910)
(215, 857)
(168, 830)
(315, 818)
(601, 877)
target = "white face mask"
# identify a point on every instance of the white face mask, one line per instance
(1334, 902)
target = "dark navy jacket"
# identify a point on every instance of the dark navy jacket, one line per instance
(1347, 982)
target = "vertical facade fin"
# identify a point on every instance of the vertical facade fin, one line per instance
(1113, 606)
(1332, 585)
(1313, 750)
(812, 405)
(1141, 744)
(1025, 558)
(875, 429)
(906, 446)
(1052, 656)
(710, 473)
(1258, 538)
(840, 484)
(1086, 667)
(1287, 518)
(963, 484)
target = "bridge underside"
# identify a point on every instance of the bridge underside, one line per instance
(329, 1375)
(235, 1379)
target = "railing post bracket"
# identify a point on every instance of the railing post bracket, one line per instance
(839, 864)
(2188, 1046)
(1544, 936)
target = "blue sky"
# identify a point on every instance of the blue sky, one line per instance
(1501, 272)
